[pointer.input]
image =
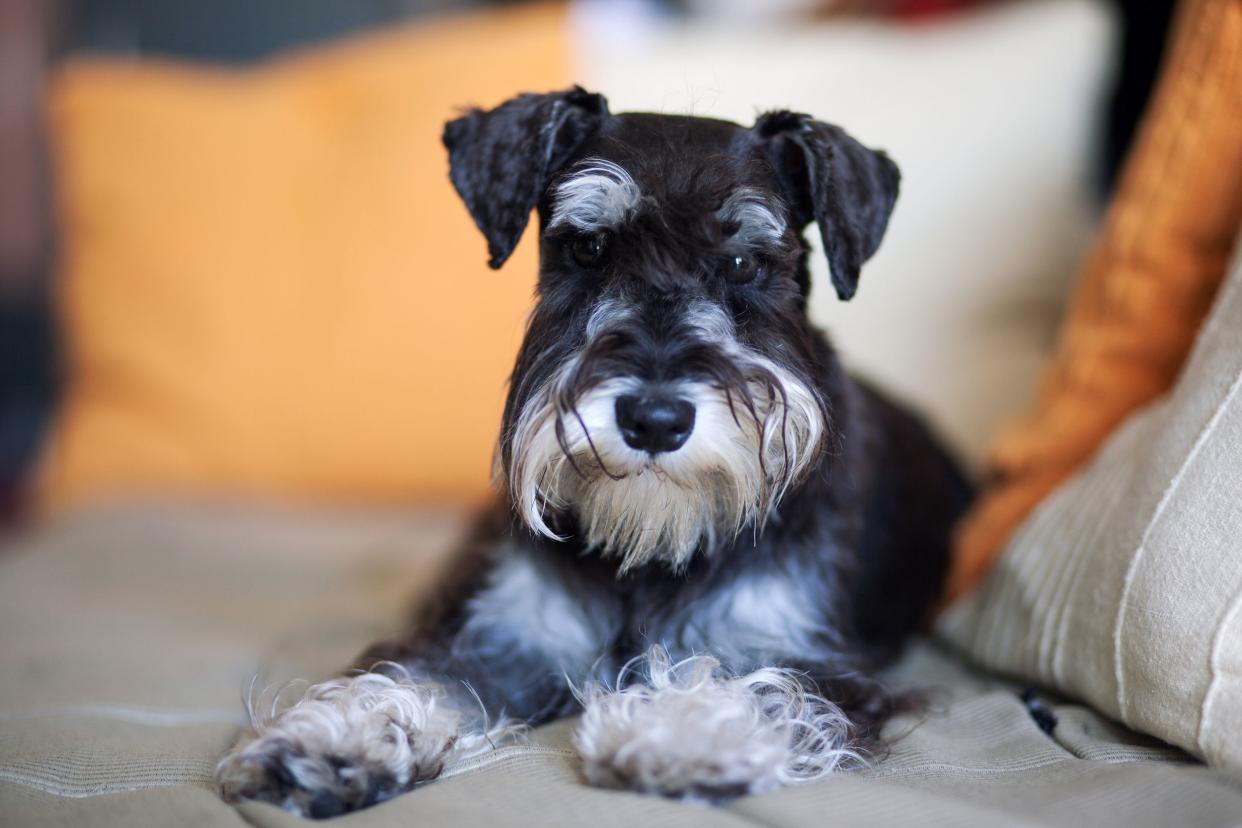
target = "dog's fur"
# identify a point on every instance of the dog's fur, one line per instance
(716, 611)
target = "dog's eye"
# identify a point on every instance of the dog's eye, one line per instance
(740, 269)
(588, 250)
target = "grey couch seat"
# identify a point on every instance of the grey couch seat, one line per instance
(129, 635)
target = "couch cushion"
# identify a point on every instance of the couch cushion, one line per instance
(129, 637)
(1124, 588)
(1146, 287)
(269, 285)
(957, 311)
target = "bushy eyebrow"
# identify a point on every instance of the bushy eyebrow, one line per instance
(756, 220)
(598, 195)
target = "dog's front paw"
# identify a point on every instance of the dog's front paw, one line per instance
(347, 744)
(691, 730)
(313, 785)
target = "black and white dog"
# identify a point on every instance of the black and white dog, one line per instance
(711, 537)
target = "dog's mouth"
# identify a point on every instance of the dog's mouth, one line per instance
(652, 466)
(592, 468)
(660, 469)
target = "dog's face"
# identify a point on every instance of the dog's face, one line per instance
(668, 391)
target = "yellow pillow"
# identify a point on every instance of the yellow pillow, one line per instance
(268, 284)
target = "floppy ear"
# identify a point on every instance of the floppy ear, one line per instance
(830, 178)
(501, 160)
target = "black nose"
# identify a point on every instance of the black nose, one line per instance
(654, 423)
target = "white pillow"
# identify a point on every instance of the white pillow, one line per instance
(991, 117)
(1124, 588)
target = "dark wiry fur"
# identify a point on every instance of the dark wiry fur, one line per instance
(861, 537)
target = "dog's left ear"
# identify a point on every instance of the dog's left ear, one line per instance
(501, 160)
(830, 178)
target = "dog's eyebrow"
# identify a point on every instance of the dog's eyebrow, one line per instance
(756, 221)
(598, 195)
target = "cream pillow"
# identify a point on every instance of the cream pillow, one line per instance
(958, 310)
(1124, 588)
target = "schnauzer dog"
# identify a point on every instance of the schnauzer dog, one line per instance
(710, 537)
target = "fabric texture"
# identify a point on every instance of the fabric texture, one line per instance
(1145, 288)
(130, 637)
(269, 286)
(1125, 586)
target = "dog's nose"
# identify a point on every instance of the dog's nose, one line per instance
(654, 423)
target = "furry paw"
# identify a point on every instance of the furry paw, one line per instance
(348, 744)
(692, 731)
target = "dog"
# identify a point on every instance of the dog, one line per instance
(710, 538)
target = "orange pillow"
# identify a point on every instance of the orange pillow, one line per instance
(1146, 288)
(269, 286)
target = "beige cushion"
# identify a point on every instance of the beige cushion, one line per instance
(1125, 587)
(995, 207)
(128, 637)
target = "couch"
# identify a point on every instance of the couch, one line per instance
(138, 622)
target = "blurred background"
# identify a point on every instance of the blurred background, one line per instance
(231, 264)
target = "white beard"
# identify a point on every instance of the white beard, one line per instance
(730, 473)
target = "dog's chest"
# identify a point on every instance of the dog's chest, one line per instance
(752, 620)
(748, 619)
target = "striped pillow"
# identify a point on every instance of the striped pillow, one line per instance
(1124, 588)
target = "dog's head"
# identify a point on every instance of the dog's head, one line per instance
(668, 392)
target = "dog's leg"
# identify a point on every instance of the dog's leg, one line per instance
(494, 656)
(691, 729)
(358, 740)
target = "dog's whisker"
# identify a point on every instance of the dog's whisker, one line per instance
(586, 433)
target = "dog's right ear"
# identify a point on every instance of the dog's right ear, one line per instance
(501, 160)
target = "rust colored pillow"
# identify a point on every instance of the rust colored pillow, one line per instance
(269, 287)
(1146, 287)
